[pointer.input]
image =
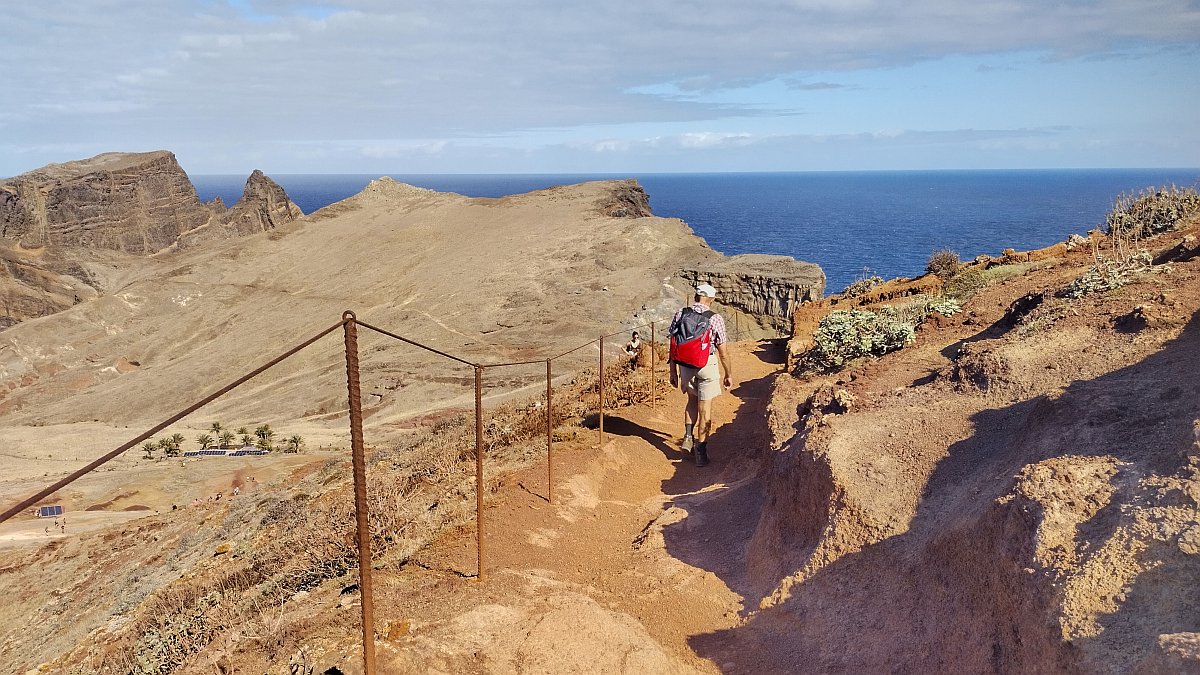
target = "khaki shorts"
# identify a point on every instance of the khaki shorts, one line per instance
(704, 382)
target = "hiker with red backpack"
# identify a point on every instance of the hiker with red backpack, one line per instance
(698, 354)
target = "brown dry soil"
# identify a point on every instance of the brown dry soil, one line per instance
(640, 553)
(1016, 492)
(636, 531)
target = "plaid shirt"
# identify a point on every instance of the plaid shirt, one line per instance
(716, 325)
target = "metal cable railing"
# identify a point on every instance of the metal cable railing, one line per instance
(350, 323)
(93, 465)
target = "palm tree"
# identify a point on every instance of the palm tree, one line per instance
(247, 439)
(242, 431)
(227, 439)
(204, 440)
(265, 435)
(177, 440)
(168, 449)
(216, 428)
(148, 448)
(264, 444)
(294, 444)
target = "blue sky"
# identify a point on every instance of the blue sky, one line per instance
(377, 86)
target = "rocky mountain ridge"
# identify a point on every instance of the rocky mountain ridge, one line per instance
(58, 223)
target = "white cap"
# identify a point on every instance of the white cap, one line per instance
(706, 290)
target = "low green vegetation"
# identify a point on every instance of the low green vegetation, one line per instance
(945, 305)
(965, 283)
(864, 283)
(844, 335)
(1109, 275)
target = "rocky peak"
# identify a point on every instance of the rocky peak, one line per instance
(264, 206)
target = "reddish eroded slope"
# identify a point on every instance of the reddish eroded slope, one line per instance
(1015, 492)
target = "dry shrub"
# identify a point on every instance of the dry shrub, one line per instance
(861, 285)
(1109, 275)
(297, 540)
(1150, 212)
(944, 263)
(964, 284)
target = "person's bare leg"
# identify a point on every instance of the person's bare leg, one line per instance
(689, 422)
(703, 421)
(703, 430)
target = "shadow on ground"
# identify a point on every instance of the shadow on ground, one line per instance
(954, 592)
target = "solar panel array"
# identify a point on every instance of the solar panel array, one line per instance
(224, 453)
(50, 511)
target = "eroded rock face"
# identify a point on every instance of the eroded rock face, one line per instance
(30, 287)
(133, 202)
(762, 291)
(58, 220)
(627, 199)
(264, 206)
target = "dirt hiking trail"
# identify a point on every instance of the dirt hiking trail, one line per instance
(641, 552)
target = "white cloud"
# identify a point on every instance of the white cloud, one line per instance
(142, 76)
(165, 74)
(709, 139)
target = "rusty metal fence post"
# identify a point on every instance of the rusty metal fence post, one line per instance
(601, 406)
(549, 436)
(653, 357)
(479, 470)
(358, 459)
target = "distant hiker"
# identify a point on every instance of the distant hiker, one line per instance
(696, 367)
(237, 491)
(633, 350)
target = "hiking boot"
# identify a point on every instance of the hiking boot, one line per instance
(702, 454)
(686, 444)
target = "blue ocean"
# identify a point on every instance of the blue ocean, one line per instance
(850, 223)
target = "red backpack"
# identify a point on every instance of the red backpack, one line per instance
(691, 339)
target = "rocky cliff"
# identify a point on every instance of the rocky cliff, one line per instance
(59, 221)
(133, 202)
(757, 293)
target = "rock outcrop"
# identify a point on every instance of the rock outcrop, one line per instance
(56, 221)
(627, 199)
(758, 293)
(133, 202)
(33, 286)
(264, 206)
